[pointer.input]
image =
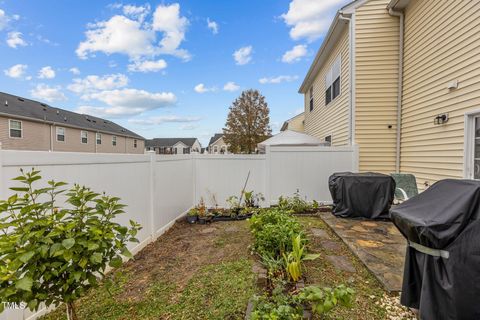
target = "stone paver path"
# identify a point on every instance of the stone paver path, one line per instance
(378, 244)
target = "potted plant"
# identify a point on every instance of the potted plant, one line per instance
(192, 215)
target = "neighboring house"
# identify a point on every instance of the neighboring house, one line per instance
(295, 123)
(400, 80)
(31, 125)
(173, 145)
(217, 145)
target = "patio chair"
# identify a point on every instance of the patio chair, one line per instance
(406, 186)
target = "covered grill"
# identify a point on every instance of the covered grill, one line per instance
(442, 267)
(361, 195)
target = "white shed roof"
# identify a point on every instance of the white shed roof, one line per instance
(290, 138)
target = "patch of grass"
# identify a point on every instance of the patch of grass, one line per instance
(218, 291)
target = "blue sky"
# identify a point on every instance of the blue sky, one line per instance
(161, 68)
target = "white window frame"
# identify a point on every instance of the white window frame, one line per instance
(57, 134)
(331, 75)
(10, 128)
(311, 102)
(114, 141)
(469, 144)
(98, 136)
(215, 149)
(86, 136)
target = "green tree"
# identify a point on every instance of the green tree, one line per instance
(51, 254)
(247, 122)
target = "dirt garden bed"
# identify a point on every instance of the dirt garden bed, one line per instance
(206, 272)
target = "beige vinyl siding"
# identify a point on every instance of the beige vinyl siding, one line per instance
(376, 89)
(38, 136)
(442, 44)
(331, 119)
(297, 123)
(35, 136)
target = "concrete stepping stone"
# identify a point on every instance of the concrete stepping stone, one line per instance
(320, 233)
(331, 245)
(342, 263)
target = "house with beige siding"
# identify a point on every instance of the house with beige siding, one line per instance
(217, 145)
(295, 123)
(31, 125)
(401, 80)
(173, 145)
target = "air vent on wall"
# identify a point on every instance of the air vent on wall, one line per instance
(6, 103)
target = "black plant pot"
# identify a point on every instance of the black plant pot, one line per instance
(192, 219)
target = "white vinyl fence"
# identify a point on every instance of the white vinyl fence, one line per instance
(159, 189)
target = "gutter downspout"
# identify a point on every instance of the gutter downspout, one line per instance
(400, 84)
(350, 76)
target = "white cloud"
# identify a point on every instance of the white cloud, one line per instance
(200, 88)
(48, 93)
(137, 12)
(93, 83)
(167, 19)
(46, 73)
(212, 25)
(295, 54)
(147, 66)
(127, 102)
(5, 19)
(164, 119)
(135, 38)
(74, 71)
(231, 86)
(279, 79)
(243, 55)
(17, 71)
(117, 35)
(14, 40)
(188, 126)
(310, 19)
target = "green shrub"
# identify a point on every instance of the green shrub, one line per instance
(51, 254)
(283, 306)
(273, 231)
(296, 204)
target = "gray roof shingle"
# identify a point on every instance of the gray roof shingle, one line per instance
(215, 138)
(11, 105)
(168, 142)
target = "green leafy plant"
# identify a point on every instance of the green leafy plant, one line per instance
(296, 204)
(252, 199)
(322, 300)
(294, 259)
(273, 231)
(52, 254)
(279, 306)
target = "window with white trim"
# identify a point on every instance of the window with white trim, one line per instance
(60, 133)
(215, 149)
(328, 140)
(98, 138)
(15, 129)
(311, 98)
(84, 136)
(114, 141)
(332, 81)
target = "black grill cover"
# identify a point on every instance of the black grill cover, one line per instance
(361, 195)
(445, 217)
